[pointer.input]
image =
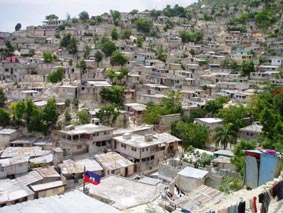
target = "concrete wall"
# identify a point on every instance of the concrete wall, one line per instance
(16, 168)
(188, 184)
(167, 120)
(51, 192)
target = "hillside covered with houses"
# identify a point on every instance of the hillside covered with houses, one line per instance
(177, 110)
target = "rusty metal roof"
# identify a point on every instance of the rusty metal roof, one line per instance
(113, 160)
(198, 198)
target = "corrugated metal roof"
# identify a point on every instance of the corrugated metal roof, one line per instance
(113, 160)
(72, 167)
(71, 202)
(198, 198)
(47, 172)
(34, 151)
(49, 185)
(29, 178)
(42, 159)
(12, 190)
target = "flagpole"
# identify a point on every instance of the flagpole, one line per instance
(84, 181)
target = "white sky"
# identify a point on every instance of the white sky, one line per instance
(33, 12)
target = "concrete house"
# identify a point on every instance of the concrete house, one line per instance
(146, 150)
(13, 192)
(6, 136)
(212, 123)
(13, 166)
(114, 163)
(190, 178)
(88, 138)
(251, 132)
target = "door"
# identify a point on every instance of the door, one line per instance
(251, 172)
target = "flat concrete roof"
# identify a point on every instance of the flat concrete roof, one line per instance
(125, 193)
(140, 141)
(7, 131)
(210, 120)
(86, 129)
(193, 172)
(71, 202)
(34, 151)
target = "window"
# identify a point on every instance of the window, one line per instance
(103, 143)
(79, 146)
(105, 132)
(134, 149)
(123, 145)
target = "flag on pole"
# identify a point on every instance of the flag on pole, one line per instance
(90, 177)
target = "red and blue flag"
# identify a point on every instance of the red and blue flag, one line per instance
(91, 177)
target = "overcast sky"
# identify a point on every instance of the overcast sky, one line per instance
(33, 12)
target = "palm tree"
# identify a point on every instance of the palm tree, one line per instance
(224, 135)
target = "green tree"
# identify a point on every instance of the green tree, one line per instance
(118, 59)
(152, 114)
(68, 117)
(48, 57)
(116, 16)
(143, 25)
(196, 113)
(140, 41)
(98, 57)
(235, 115)
(114, 34)
(108, 114)
(108, 48)
(87, 51)
(83, 16)
(17, 110)
(172, 103)
(191, 134)
(18, 26)
(264, 19)
(56, 76)
(213, 106)
(4, 117)
(161, 55)
(3, 98)
(224, 135)
(229, 184)
(247, 68)
(83, 117)
(67, 103)
(51, 17)
(126, 34)
(113, 94)
(70, 43)
(50, 113)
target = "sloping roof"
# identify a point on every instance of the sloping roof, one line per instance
(72, 167)
(12, 190)
(43, 159)
(71, 202)
(198, 198)
(192, 172)
(224, 152)
(113, 160)
(34, 151)
(29, 178)
(45, 186)
(47, 172)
